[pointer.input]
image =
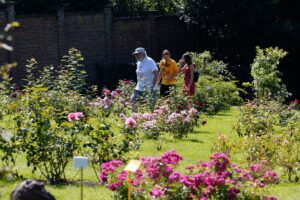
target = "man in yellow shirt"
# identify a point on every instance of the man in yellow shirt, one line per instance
(167, 74)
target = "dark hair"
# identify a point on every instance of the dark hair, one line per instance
(187, 58)
(31, 190)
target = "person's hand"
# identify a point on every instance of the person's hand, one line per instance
(186, 89)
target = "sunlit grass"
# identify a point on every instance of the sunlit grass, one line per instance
(194, 148)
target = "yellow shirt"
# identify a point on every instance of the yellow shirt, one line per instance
(168, 68)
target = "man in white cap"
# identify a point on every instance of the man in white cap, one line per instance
(147, 75)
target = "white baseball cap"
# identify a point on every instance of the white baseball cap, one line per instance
(139, 50)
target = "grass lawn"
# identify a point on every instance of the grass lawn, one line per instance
(195, 147)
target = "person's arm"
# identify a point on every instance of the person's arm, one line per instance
(181, 66)
(154, 70)
(155, 78)
(159, 77)
(159, 74)
(192, 69)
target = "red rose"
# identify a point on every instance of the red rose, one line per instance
(119, 91)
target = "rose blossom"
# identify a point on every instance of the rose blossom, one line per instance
(130, 123)
(75, 116)
(157, 192)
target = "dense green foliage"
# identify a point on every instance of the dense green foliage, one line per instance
(235, 27)
(216, 88)
(265, 74)
(137, 7)
(38, 121)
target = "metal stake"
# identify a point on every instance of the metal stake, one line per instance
(81, 185)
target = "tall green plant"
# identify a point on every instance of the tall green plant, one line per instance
(216, 88)
(265, 73)
(71, 75)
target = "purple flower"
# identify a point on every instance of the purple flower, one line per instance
(233, 192)
(139, 175)
(122, 117)
(114, 186)
(198, 179)
(220, 161)
(168, 171)
(187, 181)
(103, 177)
(122, 175)
(237, 170)
(270, 177)
(157, 192)
(171, 157)
(111, 166)
(175, 176)
(255, 168)
(247, 176)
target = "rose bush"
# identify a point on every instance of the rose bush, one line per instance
(216, 179)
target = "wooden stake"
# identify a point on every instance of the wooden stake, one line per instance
(129, 185)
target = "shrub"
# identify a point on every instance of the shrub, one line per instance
(271, 133)
(265, 74)
(71, 75)
(40, 126)
(216, 88)
(223, 145)
(262, 117)
(216, 179)
(217, 94)
(101, 144)
(209, 67)
(288, 151)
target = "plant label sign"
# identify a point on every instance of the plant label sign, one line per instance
(80, 162)
(133, 165)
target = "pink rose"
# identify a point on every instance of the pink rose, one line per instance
(130, 123)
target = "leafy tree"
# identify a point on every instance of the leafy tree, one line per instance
(264, 70)
(137, 7)
(237, 26)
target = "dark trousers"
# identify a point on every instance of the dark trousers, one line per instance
(165, 90)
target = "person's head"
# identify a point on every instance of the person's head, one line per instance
(31, 190)
(139, 53)
(187, 58)
(166, 54)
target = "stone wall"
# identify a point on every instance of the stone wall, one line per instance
(103, 39)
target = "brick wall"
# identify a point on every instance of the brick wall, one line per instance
(102, 39)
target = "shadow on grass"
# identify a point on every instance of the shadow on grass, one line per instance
(200, 132)
(74, 183)
(223, 114)
(192, 140)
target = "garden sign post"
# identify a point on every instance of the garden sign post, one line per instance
(80, 162)
(132, 166)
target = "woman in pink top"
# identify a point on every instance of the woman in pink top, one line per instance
(188, 71)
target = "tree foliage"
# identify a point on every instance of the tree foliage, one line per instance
(137, 7)
(235, 27)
